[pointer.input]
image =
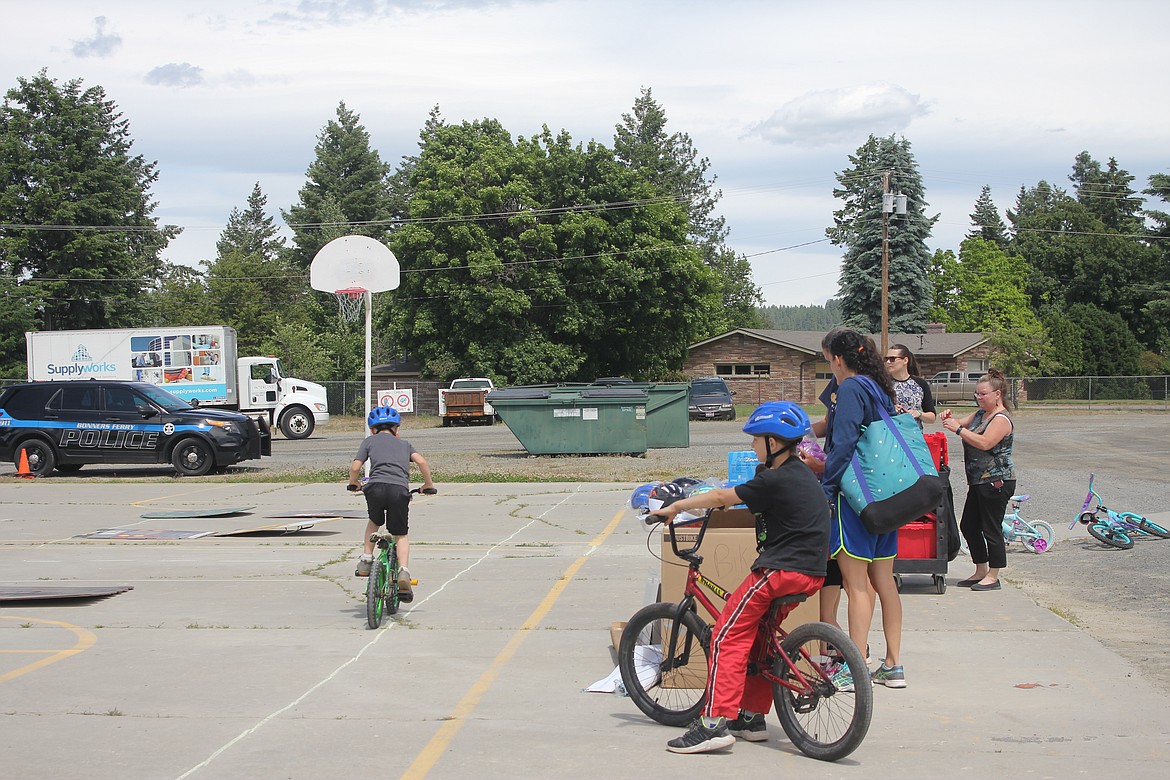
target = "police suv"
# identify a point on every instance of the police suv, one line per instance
(65, 425)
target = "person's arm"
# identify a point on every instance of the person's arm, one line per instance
(992, 435)
(848, 418)
(417, 459)
(708, 500)
(952, 423)
(355, 472)
(929, 413)
(820, 427)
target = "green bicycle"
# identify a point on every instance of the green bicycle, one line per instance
(382, 590)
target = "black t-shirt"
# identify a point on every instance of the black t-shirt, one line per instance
(792, 518)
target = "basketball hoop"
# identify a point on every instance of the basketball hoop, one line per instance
(349, 302)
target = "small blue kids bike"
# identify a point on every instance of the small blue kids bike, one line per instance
(1114, 529)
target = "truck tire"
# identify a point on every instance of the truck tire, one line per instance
(192, 457)
(297, 423)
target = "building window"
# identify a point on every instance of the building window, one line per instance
(823, 370)
(743, 369)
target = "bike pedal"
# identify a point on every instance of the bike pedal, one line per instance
(414, 582)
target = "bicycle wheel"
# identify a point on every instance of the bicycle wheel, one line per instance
(1042, 542)
(376, 591)
(660, 686)
(822, 721)
(1107, 534)
(1144, 525)
(391, 591)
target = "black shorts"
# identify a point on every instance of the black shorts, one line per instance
(389, 505)
(833, 574)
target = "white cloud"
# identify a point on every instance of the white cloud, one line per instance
(100, 44)
(829, 115)
(175, 74)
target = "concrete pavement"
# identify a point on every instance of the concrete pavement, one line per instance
(249, 657)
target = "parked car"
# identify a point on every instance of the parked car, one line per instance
(65, 425)
(711, 399)
(951, 386)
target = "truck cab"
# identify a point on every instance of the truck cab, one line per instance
(952, 386)
(294, 405)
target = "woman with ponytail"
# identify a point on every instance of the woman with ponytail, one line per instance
(864, 558)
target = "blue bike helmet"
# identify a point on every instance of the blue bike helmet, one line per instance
(383, 415)
(783, 420)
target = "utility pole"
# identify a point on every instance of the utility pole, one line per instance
(890, 203)
(887, 207)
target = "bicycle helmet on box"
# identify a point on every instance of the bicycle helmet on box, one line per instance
(664, 495)
(383, 415)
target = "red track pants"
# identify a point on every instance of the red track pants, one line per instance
(729, 689)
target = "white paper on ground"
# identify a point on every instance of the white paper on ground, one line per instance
(647, 660)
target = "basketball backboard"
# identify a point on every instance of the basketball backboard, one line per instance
(353, 262)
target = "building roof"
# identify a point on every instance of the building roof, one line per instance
(948, 345)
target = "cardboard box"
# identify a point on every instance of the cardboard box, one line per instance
(615, 633)
(729, 550)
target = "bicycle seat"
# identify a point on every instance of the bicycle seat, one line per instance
(1022, 498)
(381, 535)
(794, 598)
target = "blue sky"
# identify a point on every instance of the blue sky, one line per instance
(776, 94)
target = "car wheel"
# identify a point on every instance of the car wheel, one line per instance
(192, 458)
(297, 423)
(41, 458)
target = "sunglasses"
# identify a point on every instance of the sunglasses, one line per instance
(892, 358)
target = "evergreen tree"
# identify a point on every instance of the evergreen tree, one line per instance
(986, 222)
(66, 162)
(350, 172)
(401, 190)
(671, 163)
(858, 229)
(251, 285)
(1157, 308)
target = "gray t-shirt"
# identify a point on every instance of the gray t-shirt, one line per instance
(389, 458)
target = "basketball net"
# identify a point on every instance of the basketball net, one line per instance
(349, 303)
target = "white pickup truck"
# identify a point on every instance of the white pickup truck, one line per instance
(465, 402)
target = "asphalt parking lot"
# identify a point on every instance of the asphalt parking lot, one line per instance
(248, 656)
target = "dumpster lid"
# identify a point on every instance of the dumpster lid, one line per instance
(516, 394)
(615, 392)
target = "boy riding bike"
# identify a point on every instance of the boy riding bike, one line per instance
(387, 491)
(792, 532)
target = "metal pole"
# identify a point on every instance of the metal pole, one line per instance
(885, 263)
(369, 302)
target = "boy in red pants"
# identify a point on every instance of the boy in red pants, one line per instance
(792, 532)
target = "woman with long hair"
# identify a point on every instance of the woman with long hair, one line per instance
(865, 558)
(911, 391)
(991, 477)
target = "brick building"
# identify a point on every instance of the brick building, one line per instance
(766, 365)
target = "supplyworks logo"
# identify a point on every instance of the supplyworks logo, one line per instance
(82, 365)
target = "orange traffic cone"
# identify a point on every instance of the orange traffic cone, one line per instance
(23, 471)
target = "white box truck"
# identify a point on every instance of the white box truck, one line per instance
(197, 364)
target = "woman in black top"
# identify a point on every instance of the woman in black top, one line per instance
(912, 390)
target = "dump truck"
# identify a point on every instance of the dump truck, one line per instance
(465, 402)
(198, 364)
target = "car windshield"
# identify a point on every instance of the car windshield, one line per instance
(164, 399)
(708, 388)
(470, 384)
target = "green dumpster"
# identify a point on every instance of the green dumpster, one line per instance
(574, 421)
(667, 421)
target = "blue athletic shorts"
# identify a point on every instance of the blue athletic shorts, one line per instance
(849, 535)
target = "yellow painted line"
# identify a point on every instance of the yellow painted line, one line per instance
(430, 754)
(85, 640)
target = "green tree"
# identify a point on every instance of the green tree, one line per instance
(858, 229)
(251, 284)
(520, 267)
(986, 222)
(1108, 346)
(348, 170)
(1087, 249)
(179, 297)
(82, 202)
(672, 164)
(1157, 308)
(17, 315)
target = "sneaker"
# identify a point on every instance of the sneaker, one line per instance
(364, 566)
(843, 680)
(752, 729)
(405, 594)
(889, 676)
(700, 739)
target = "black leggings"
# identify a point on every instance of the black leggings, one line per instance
(982, 523)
